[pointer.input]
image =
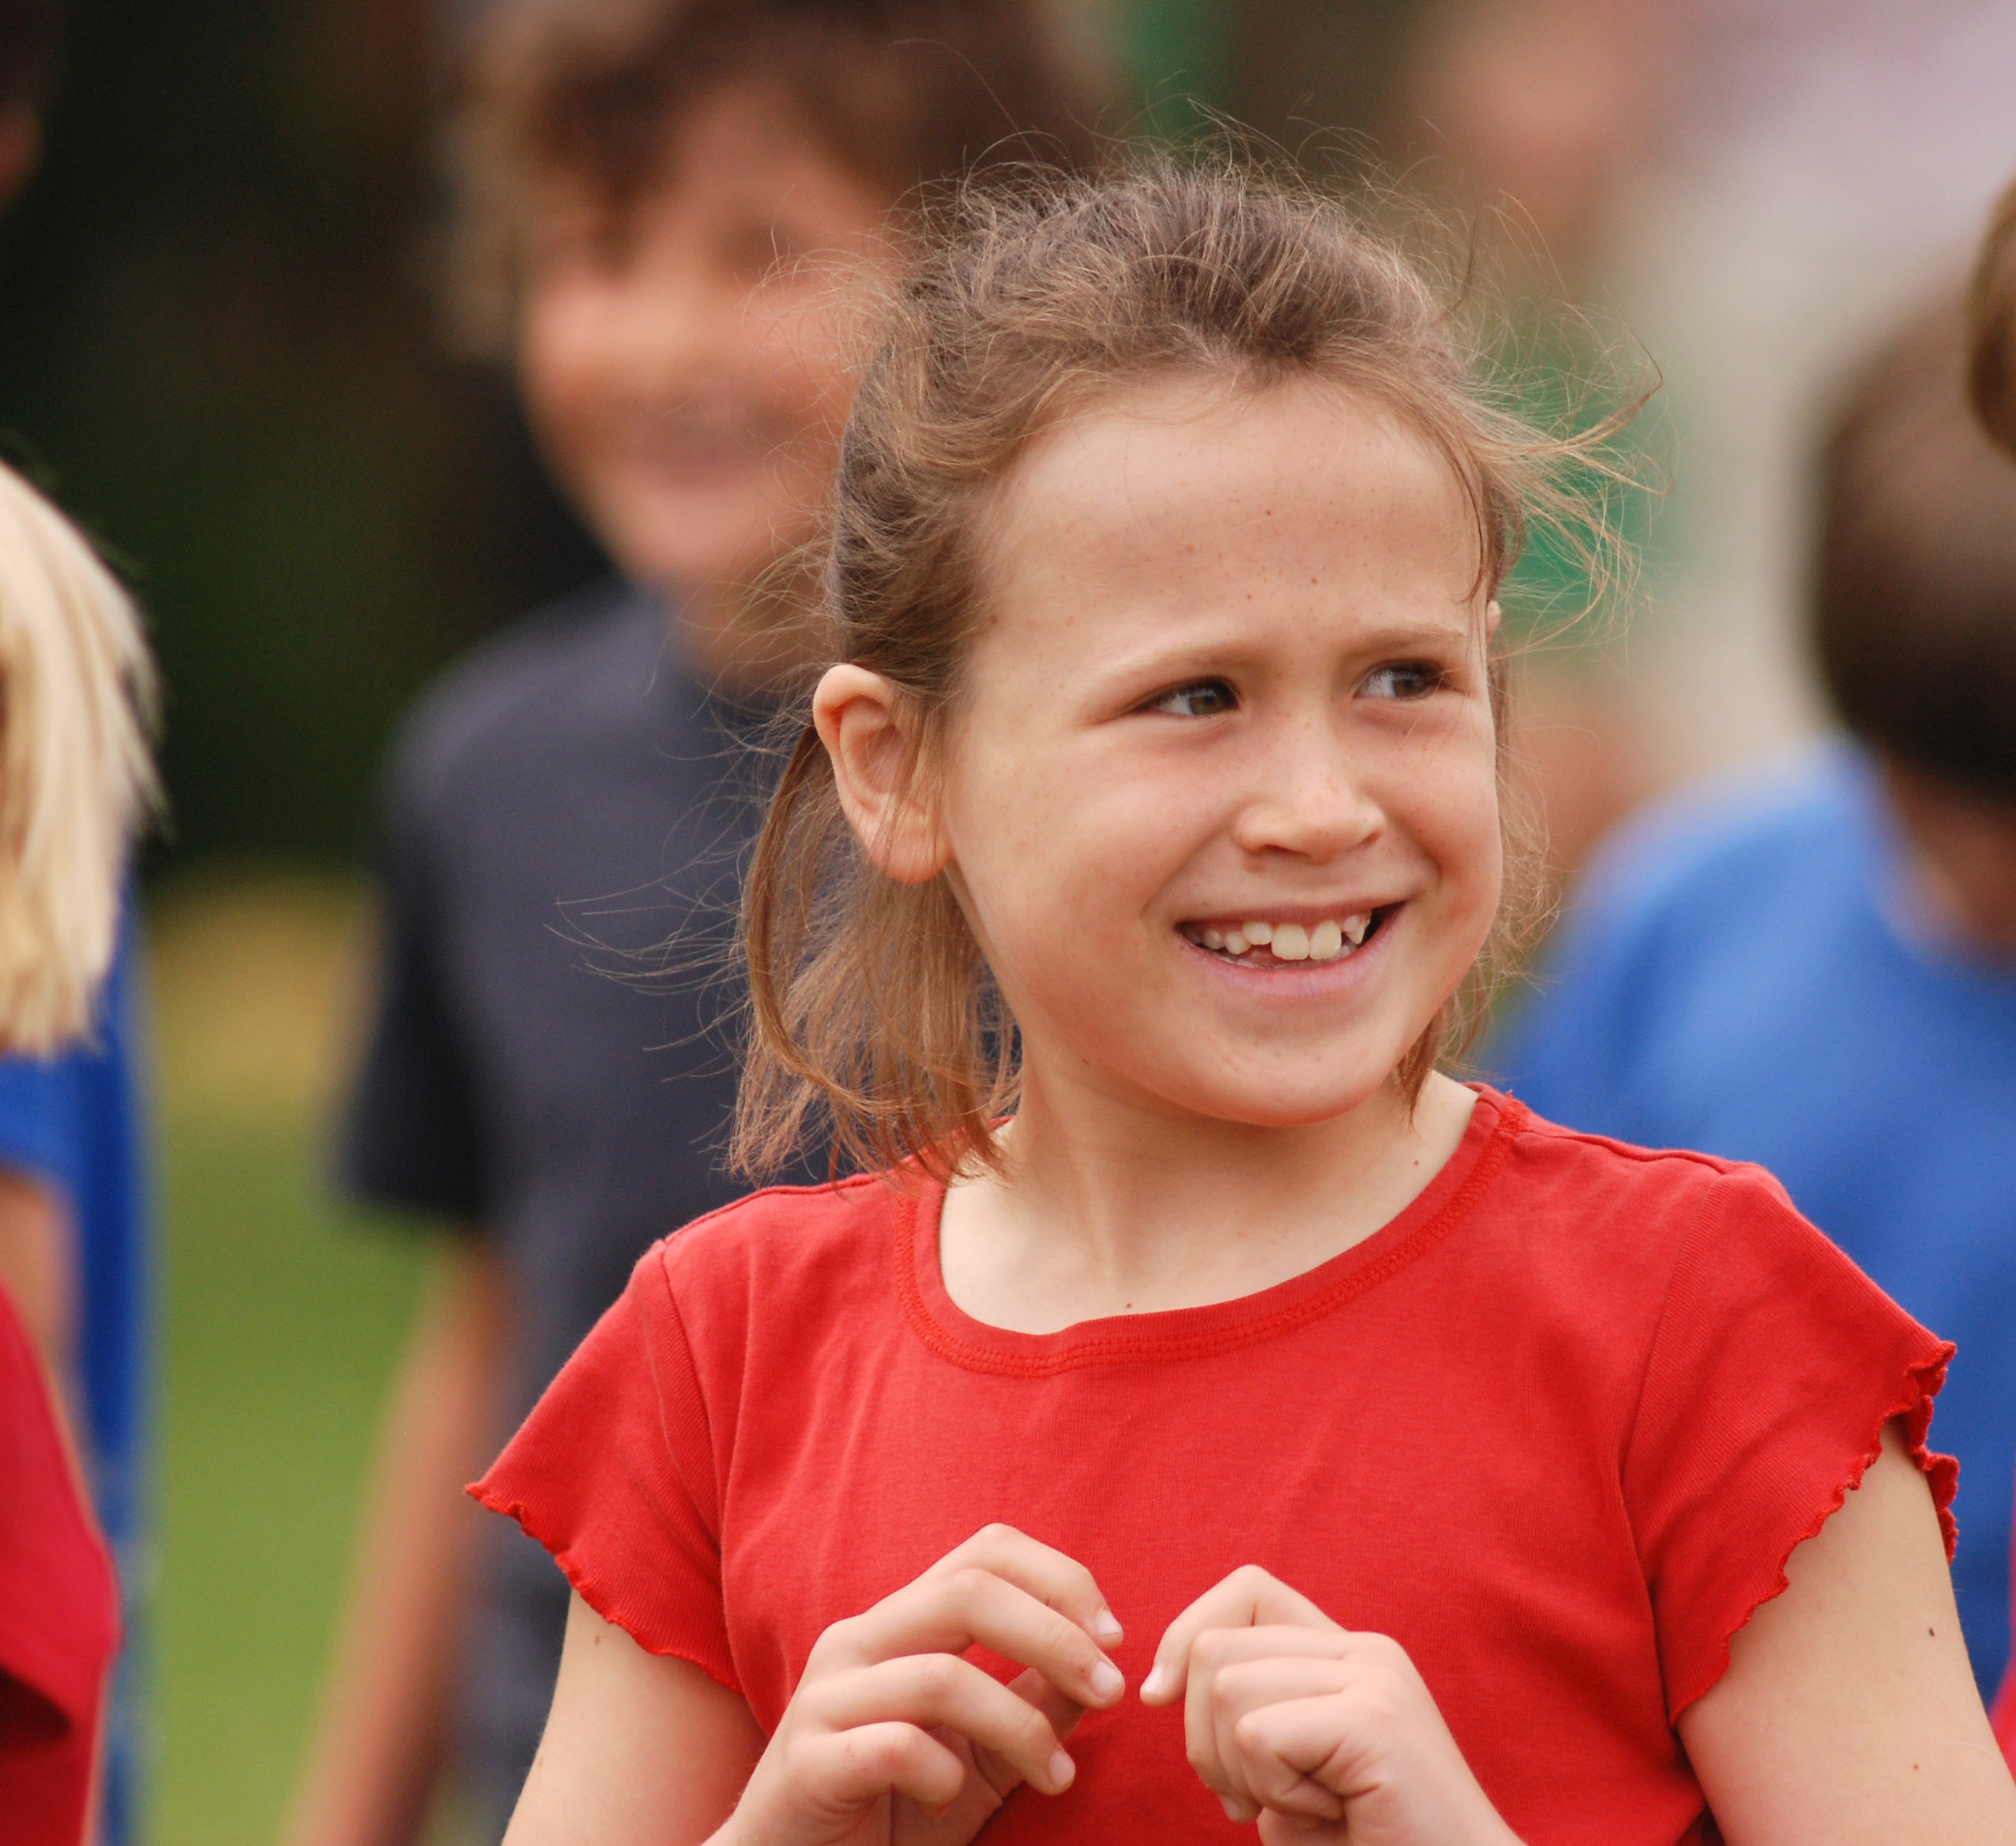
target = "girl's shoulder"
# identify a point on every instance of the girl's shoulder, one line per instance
(794, 1251)
(1587, 1179)
(785, 1222)
(1651, 1242)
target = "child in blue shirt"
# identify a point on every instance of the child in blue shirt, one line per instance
(1814, 966)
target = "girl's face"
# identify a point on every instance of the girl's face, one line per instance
(1233, 675)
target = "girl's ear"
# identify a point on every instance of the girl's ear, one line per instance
(1493, 615)
(868, 731)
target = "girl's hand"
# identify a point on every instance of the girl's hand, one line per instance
(1323, 1734)
(892, 1739)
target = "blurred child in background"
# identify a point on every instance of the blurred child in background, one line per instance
(75, 689)
(1992, 379)
(1992, 315)
(1814, 967)
(74, 1230)
(659, 201)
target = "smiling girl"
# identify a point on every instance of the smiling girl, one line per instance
(1435, 1475)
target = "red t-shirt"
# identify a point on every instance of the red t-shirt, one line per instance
(1555, 1429)
(58, 1612)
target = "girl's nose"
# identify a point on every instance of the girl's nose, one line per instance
(1305, 798)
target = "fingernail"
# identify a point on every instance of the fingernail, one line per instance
(1061, 1770)
(1153, 1686)
(1107, 1681)
(1105, 1627)
(1233, 1810)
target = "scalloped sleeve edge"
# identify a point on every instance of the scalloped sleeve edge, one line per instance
(605, 1601)
(1912, 1402)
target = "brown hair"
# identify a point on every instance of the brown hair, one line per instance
(1914, 588)
(1991, 330)
(870, 998)
(904, 93)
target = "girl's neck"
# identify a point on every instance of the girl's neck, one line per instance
(1115, 1210)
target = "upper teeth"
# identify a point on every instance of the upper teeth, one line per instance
(1293, 941)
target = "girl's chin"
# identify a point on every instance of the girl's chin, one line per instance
(1265, 1102)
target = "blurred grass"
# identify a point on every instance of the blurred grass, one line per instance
(283, 1318)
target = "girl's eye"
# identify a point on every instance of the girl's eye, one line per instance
(1405, 679)
(1202, 698)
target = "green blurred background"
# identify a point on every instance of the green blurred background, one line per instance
(216, 351)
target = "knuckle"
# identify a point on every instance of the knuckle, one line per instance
(883, 1750)
(1063, 1636)
(969, 1583)
(1383, 1649)
(832, 1641)
(1209, 1648)
(1249, 1734)
(1373, 1707)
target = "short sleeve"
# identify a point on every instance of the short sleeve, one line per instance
(410, 1136)
(614, 1473)
(1775, 1366)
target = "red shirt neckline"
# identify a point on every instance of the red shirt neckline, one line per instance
(1221, 1327)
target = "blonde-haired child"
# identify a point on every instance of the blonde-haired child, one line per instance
(1433, 1473)
(75, 774)
(76, 698)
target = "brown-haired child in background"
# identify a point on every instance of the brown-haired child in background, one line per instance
(658, 201)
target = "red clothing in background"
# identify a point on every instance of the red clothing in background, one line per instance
(58, 1612)
(2003, 1714)
(1555, 1429)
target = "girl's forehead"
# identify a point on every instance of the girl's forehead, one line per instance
(1269, 475)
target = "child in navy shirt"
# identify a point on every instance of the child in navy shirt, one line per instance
(658, 205)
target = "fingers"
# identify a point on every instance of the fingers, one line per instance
(931, 1690)
(853, 1768)
(1309, 1727)
(1248, 1598)
(950, 1612)
(1235, 1672)
(885, 1706)
(1061, 1582)
(1062, 1715)
(1279, 1748)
